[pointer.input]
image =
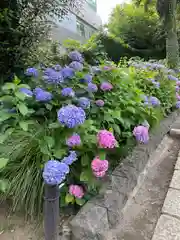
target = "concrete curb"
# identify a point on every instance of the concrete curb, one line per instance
(104, 212)
(168, 225)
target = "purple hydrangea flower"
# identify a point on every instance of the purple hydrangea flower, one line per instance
(177, 88)
(71, 158)
(55, 172)
(74, 140)
(76, 56)
(84, 102)
(154, 101)
(92, 87)
(100, 103)
(42, 95)
(54, 78)
(48, 71)
(71, 116)
(31, 72)
(172, 78)
(178, 104)
(57, 67)
(77, 66)
(88, 78)
(141, 134)
(67, 72)
(178, 83)
(106, 86)
(26, 91)
(68, 92)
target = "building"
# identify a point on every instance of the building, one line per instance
(79, 26)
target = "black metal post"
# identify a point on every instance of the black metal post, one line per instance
(51, 212)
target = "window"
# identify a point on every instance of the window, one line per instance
(93, 4)
(81, 28)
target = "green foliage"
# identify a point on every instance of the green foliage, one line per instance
(31, 134)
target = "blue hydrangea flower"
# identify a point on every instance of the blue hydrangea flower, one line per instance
(87, 79)
(154, 101)
(31, 72)
(172, 78)
(77, 66)
(57, 67)
(42, 95)
(48, 71)
(99, 103)
(76, 56)
(177, 88)
(92, 87)
(26, 91)
(67, 72)
(54, 78)
(178, 104)
(84, 102)
(55, 172)
(71, 158)
(71, 116)
(68, 92)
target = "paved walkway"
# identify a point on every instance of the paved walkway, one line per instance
(168, 225)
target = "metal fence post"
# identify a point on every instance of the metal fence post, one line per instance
(51, 212)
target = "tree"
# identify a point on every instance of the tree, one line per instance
(136, 28)
(23, 23)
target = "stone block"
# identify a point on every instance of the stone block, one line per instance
(172, 203)
(177, 166)
(91, 221)
(175, 182)
(167, 228)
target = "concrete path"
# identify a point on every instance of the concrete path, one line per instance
(142, 212)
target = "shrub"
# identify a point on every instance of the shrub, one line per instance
(79, 115)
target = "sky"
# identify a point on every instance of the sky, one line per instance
(104, 8)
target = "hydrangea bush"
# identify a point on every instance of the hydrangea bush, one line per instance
(68, 120)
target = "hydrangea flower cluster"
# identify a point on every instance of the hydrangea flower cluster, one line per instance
(27, 92)
(67, 72)
(77, 66)
(106, 139)
(141, 134)
(70, 159)
(74, 140)
(71, 116)
(100, 103)
(154, 101)
(84, 102)
(76, 191)
(68, 92)
(88, 78)
(55, 172)
(52, 76)
(76, 56)
(99, 167)
(31, 72)
(178, 104)
(106, 86)
(92, 87)
(42, 95)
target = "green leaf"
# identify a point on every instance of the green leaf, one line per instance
(54, 125)
(59, 153)
(102, 155)
(24, 125)
(69, 198)
(24, 86)
(7, 98)
(3, 185)
(116, 128)
(23, 109)
(3, 162)
(50, 141)
(9, 86)
(3, 137)
(84, 176)
(49, 106)
(20, 95)
(16, 80)
(4, 116)
(84, 160)
(80, 201)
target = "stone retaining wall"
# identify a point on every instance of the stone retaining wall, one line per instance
(104, 212)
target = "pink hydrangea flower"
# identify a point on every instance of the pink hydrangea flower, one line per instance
(74, 140)
(106, 86)
(106, 139)
(141, 134)
(99, 167)
(76, 190)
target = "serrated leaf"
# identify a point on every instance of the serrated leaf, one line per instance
(54, 125)
(24, 125)
(20, 95)
(50, 141)
(80, 201)
(69, 198)
(9, 86)
(84, 177)
(3, 162)
(23, 109)
(59, 153)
